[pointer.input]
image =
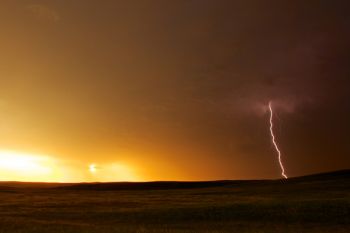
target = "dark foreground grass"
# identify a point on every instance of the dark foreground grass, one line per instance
(316, 205)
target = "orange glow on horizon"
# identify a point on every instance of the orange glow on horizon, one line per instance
(18, 166)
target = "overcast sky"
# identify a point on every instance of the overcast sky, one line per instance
(178, 90)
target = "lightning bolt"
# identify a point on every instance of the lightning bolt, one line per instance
(274, 142)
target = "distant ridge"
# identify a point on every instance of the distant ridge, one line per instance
(324, 175)
(335, 176)
(165, 185)
(154, 185)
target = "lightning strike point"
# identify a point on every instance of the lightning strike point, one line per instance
(275, 143)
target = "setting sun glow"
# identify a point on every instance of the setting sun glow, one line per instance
(25, 167)
(92, 168)
(18, 166)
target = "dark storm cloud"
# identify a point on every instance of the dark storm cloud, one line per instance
(276, 54)
(240, 55)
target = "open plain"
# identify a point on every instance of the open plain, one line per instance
(317, 204)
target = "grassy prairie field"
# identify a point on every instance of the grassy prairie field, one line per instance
(317, 204)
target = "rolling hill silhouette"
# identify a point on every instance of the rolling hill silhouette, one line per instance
(336, 177)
